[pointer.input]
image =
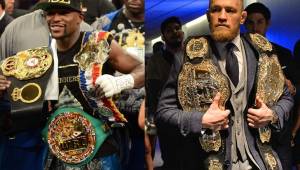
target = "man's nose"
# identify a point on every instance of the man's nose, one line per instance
(56, 16)
(223, 15)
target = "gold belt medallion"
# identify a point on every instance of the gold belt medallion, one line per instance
(29, 93)
(196, 47)
(211, 142)
(264, 134)
(199, 83)
(262, 43)
(28, 64)
(272, 163)
(215, 165)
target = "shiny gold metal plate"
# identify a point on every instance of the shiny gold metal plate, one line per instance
(211, 142)
(196, 47)
(135, 39)
(262, 43)
(272, 163)
(29, 93)
(71, 137)
(270, 79)
(199, 83)
(28, 64)
(270, 86)
(215, 165)
(264, 134)
(95, 50)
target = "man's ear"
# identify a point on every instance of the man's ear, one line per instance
(243, 17)
(163, 38)
(81, 16)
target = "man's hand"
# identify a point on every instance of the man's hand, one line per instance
(215, 118)
(4, 84)
(108, 85)
(260, 116)
(290, 86)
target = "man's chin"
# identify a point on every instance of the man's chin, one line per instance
(56, 36)
(223, 36)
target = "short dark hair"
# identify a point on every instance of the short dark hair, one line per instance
(297, 49)
(2, 3)
(158, 46)
(164, 24)
(258, 7)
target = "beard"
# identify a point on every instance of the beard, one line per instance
(175, 44)
(224, 35)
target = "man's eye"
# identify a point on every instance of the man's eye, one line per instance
(215, 9)
(230, 10)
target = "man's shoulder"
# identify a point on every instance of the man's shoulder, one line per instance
(281, 49)
(105, 21)
(32, 17)
(7, 18)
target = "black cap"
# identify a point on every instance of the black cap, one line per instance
(74, 5)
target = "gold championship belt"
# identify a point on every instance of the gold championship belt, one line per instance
(29, 72)
(198, 83)
(133, 41)
(73, 135)
(95, 50)
(28, 64)
(270, 85)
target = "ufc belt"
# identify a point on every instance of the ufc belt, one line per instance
(270, 85)
(29, 72)
(198, 83)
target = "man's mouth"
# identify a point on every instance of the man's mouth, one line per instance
(222, 25)
(134, 5)
(56, 27)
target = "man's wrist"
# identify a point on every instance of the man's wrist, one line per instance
(275, 118)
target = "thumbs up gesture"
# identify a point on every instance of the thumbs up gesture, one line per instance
(215, 118)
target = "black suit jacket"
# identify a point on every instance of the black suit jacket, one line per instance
(4, 22)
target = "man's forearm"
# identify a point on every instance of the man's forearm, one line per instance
(138, 75)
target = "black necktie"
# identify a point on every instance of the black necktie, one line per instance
(232, 65)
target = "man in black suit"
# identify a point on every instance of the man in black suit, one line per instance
(194, 107)
(258, 21)
(5, 19)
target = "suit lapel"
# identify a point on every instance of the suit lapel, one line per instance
(213, 52)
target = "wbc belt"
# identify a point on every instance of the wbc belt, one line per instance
(28, 72)
(74, 136)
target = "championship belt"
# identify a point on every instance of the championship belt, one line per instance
(73, 136)
(198, 82)
(91, 58)
(132, 40)
(270, 85)
(29, 72)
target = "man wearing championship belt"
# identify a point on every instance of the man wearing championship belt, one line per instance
(220, 107)
(79, 129)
